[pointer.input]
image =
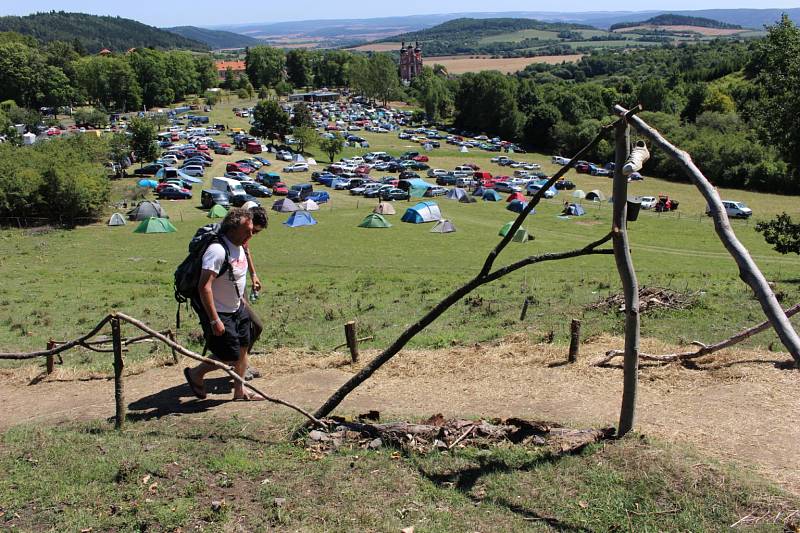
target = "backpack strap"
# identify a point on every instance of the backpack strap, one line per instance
(226, 265)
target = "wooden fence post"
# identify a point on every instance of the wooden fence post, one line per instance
(574, 340)
(524, 309)
(352, 340)
(119, 392)
(50, 359)
(173, 338)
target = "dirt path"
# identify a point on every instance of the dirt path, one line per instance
(740, 408)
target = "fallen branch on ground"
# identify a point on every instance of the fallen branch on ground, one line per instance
(704, 349)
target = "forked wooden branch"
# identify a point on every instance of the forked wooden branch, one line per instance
(63, 348)
(228, 369)
(748, 270)
(704, 349)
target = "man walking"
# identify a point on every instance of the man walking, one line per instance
(223, 315)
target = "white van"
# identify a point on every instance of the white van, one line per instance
(227, 185)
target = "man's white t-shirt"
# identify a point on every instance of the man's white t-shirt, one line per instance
(223, 289)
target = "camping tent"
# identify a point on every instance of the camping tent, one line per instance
(147, 183)
(595, 196)
(517, 206)
(311, 162)
(171, 173)
(575, 210)
(464, 150)
(146, 210)
(217, 212)
(309, 205)
(504, 230)
(515, 196)
(155, 225)
(467, 199)
(374, 220)
(479, 191)
(578, 194)
(456, 194)
(300, 218)
(416, 187)
(284, 205)
(422, 212)
(298, 158)
(250, 204)
(491, 195)
(522, 236)
(116, 220)
(443, 226)
(384, 208)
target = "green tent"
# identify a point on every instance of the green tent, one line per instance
(155, 225)
(217, 212)
(505, 228)
(374, 220)
(522, 236)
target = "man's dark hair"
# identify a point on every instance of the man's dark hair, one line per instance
(259, 216)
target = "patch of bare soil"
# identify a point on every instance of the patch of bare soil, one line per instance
(738, 406)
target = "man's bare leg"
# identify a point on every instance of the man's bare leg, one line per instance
(240, 366)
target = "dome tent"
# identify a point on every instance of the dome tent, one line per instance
(217, 212)
(518, 207)
(595, 196)
(284, 205)
(300, 218)
(515, 196)
(116, 220)
(491, 195)
(155, 225)
(384, 208)
(443, 226)
(147, 209)
(374, 220)
(456, 193)
(422, 212)
(309, 205)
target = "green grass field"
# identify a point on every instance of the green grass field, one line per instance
(164, 474)
(516, 36)
(59, 283)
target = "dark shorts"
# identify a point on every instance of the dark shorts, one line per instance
(225, 347)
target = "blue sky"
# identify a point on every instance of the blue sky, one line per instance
(216, 12)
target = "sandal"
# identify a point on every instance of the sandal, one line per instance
(198, 391)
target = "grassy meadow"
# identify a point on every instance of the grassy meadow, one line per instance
(59, 283)
(240, 473)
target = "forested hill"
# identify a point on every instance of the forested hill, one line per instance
(215, 39)
(464, 35)
(95, 32)
(669, 19)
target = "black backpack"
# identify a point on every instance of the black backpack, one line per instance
(187, 275)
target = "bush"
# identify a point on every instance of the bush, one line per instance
(62, 179)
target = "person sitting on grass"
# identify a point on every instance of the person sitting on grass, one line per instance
(223, 315)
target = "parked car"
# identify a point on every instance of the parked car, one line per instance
(210, 197)
(279, 188)
(447, 179)
(256, 189)
(436, 191)
(296, 167)
(504, 186)
(319, 196)
(563, 184)
(648, 202)
(174, 192)
(734, 209)
(558, 160)
(300, 192)
(377, 191)
(237, 175)
(193, 170)
(148, 170)
(393, 193)
(533, 187)
(238, 200)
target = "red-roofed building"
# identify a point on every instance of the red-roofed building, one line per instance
(238, 68)
(105, 52)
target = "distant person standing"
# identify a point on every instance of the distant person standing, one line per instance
(223, 314)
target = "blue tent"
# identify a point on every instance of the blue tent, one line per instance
(575, 210)
(422, 212)
(479, 191)
(148, 183)
(300, 218)
(491, 195)
(416, 187)
(518, 206)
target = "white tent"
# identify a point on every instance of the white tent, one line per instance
(443, 226)
(311, 161)
(428, 147)
(298, 158)
(464, 149)
(384, 208)
(28, 138)
(249, 204)
(308, 205)
(578, 194)
(116, 220)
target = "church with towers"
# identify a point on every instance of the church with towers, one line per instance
(410, 62)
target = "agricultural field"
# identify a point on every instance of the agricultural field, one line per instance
(712, 32)
(319, 277)
(506, 65)
(542, 35)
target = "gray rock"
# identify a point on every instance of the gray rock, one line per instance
(318, 436)
(375, 444)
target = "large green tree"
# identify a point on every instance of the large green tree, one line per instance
(270, 121)
(775, 67)
(298, 67)
(143, 139)
(486, 102)
(265, 65)
(433, 93)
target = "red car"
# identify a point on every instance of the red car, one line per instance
(280, 189)
(53, 131)
(239, 167)
(421, 158)
(363, 170)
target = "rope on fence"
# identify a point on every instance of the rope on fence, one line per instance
(166, 338)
